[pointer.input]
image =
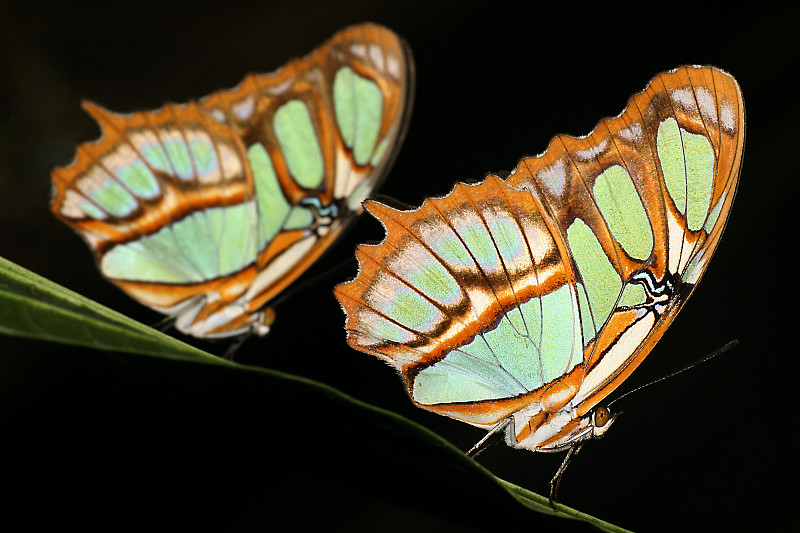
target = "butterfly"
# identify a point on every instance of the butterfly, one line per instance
(207, 211)
(518, 305)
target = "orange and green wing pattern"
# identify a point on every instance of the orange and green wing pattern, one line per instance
(207, 211)
(526, 302)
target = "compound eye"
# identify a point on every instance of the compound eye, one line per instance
(601, 416)
(265, 320)
(269, 316)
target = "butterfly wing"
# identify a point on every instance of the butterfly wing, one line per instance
(462, 298)
(207, 211)
(643, 201)
(533, 299)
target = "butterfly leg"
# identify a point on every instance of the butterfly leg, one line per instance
(236, 344)
(165, 323)
(489, 438)
(556, 481)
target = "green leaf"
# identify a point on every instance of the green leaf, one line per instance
(32, 306)
(320, 441)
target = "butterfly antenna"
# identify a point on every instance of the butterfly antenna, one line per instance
(674, 373)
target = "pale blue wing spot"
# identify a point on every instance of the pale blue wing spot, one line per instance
(554, 178)
(155, 156)
(196, 245)
(587, 323)
(695, 267)
(369, 108)
(138, 179)
(714, 214)
(448, 247)
(508, 240)
(374, 330)
(358, 104)
(344, 103)
(673, 165)
(460, 378)
(624, 212)
(412, 310)
(179, 157)
(602, 282)
(207, 227)
(478, 241)
(113, 198)
(147, 260)
(687, 161)
(243, 109)
(92, 210)
(165, 245)
(359, 194)
(513, 251)
(503, 363)
(129, 262)
(700, 162)
(432, 279)
(299, 144)
(299, 218)
(215, 219)
(237, 247)
(273, 208)
(380, 151)
(632, 295)
(561, 348)
(398, 302)
(532, 315)
(391, 332)
(516, 353)
(419, 268)
(480, 349)
(205, 158)
(230, 161)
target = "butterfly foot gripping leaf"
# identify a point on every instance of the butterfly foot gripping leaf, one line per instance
(207, 211)
(519, 305)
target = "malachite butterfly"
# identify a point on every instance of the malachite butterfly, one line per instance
(520, 304)
(206, 211)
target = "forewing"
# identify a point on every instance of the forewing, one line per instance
(463, 297)
(642, 201)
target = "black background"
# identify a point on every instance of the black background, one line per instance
(99, 440)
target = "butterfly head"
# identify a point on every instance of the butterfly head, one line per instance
(602, 419)
(264, 322)
(557, 431)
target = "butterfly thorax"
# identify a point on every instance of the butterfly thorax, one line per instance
(210, 317)
(536, 430)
